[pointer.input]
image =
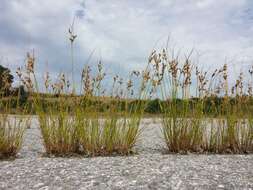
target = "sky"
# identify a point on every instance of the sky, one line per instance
(123, 33)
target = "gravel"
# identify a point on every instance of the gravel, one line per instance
(149, 169)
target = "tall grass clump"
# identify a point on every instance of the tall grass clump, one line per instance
(11, 135)
(57, 124)
(181, 129)
(11, 127)
(233, 132)
(186, 126)
(116, 131)
(74, 123)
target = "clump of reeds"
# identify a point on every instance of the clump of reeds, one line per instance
(57, 120)
(77, 126)
(181, 133)
(11, 135)
(232, 132)
(11, 127)
(185, 128)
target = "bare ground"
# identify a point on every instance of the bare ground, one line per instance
(149, 169)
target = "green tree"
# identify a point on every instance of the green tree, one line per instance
(6, 80)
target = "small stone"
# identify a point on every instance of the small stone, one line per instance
(38, 185)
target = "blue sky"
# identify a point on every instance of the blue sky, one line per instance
(123, 33)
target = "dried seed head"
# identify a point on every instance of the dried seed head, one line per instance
(30, 63)
(146, 76)
(129, 84)
(72, 36)
(86, 78)
(47, 80)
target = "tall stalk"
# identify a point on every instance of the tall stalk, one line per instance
(72, 38)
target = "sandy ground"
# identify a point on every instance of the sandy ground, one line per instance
(149, 169)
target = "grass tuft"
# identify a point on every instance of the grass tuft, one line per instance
(11, 135)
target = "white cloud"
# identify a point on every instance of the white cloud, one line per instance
(124, 32)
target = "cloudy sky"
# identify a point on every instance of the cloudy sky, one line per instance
(122, 33)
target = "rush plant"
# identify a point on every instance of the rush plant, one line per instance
(11, 135)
